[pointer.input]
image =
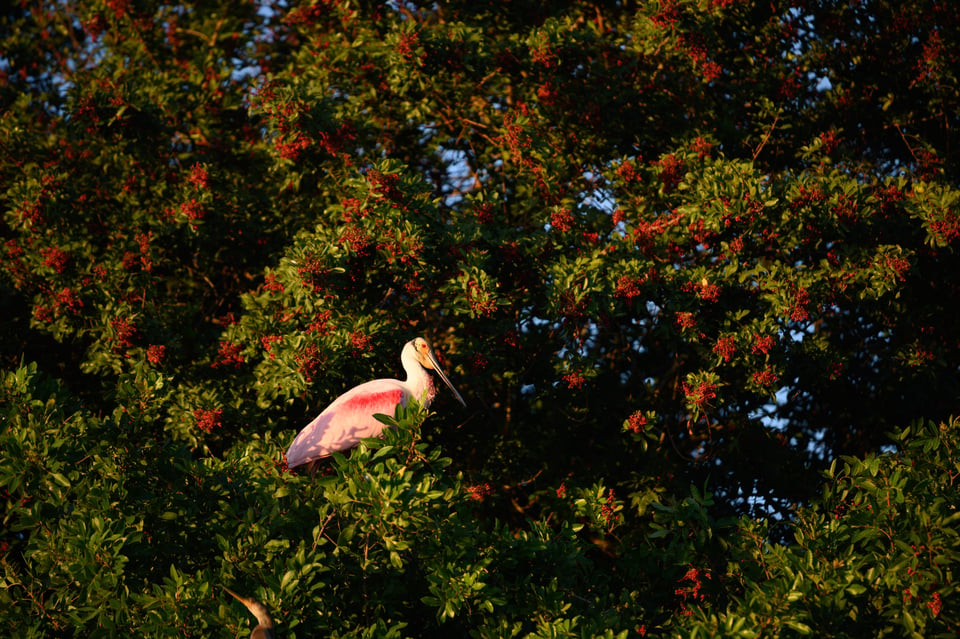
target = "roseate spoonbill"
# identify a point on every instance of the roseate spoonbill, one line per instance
(350, 417)
(264, 629)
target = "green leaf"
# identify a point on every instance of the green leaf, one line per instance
(60, 479)
(798, 626)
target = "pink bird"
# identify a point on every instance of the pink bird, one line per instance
(350, 417)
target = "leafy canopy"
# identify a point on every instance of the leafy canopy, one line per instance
(690, 262)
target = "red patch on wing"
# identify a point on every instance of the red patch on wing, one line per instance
(374, 402)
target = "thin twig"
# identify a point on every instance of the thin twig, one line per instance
(766, 137)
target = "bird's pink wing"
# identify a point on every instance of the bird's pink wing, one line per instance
(345, 422)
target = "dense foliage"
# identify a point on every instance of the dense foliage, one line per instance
(692, 264)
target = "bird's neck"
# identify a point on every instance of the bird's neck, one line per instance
(420, 383)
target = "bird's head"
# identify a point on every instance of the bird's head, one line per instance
(424, 355)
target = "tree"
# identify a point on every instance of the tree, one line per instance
(671, 244)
